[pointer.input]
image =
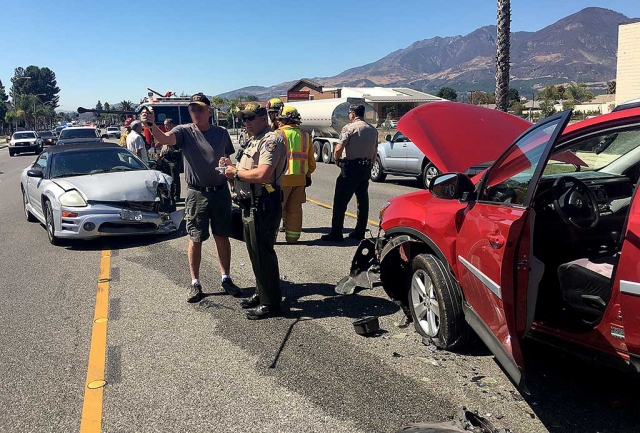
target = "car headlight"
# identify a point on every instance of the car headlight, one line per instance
(383, 209)
(72, 199)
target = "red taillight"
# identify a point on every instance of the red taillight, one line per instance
(67, 214)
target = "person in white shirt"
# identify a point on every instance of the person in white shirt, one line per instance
(135, 142)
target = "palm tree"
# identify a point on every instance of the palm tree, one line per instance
(503, 45)
(578, 92)
(126, 106)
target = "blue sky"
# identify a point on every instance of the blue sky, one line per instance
(114, 50)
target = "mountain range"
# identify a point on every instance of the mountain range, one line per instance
(581, 47)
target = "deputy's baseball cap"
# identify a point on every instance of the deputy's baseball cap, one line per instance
(251, 109)
(200, 99)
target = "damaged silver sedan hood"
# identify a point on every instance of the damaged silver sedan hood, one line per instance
(132, 186)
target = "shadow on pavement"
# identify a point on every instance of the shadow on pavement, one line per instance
(570, 394)
(332, 305)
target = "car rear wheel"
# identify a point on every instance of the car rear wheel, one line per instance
(11, 153)
(327, 153)
(430, 171)
(317, 151)
(27, 214)
(377, 175)
(50, 224)
(435, 302)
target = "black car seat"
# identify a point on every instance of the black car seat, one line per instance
(586, 286)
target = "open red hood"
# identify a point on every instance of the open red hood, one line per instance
(456, 136)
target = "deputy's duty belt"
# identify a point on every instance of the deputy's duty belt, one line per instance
(207, 188)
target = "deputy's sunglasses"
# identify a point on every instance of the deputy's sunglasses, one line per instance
(249, 118)
(196, 108)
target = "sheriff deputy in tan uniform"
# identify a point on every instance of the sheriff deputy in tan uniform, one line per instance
(257, 181)
(354, 153)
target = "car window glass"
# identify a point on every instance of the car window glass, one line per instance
(94, 162)
(594, 152)
(79, 133)
(399, 138)
(23, 135)
(508, 181)
(41, 162)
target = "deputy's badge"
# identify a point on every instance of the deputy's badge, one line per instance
(270, 146)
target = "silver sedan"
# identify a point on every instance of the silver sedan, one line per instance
(89, 190)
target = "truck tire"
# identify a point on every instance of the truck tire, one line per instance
(435, 301)
(377, 174)
(430, 171)
(327, 153)
(317, 150)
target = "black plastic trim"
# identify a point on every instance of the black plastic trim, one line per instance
(422, 237)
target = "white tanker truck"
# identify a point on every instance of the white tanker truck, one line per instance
(325, 118)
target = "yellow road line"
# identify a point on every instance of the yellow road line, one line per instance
(352, 215)
(94, 385)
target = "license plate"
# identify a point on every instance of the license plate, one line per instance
(130, 215)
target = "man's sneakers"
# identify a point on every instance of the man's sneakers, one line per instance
(264, 312)
(332, 237)
(251, 302)
(195, 293)
(229, 287)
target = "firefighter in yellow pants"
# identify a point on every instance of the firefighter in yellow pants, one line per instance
(300, 165)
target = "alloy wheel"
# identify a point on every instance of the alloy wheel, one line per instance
(425, 303)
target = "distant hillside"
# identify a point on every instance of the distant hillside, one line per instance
(581, 47)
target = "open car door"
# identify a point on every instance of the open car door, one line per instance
(493, 244)
(628, 280)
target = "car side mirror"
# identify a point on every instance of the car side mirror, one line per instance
(388, 137)
(35, 173)
(451, 186)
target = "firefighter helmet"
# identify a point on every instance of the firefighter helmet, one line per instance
(274, 105)
(289, 113)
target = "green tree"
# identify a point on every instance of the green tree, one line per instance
(517, 108)
(3, 104)
(578, 92)
(503, 47)
(98, 116)
(126, 106)
(546, 108)
(107, 106)
(513, 96)
(568, 104)
(482, 98)
(252, 98)
(611, 87)
(447, 92)
(36, 81)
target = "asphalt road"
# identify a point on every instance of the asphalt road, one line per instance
(175, 367)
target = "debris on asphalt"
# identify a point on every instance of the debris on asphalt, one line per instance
(428, 361)
(367, 326)
(485, 381)
(396, 355)
(400, 336)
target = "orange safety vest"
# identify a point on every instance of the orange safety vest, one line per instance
(298, 143)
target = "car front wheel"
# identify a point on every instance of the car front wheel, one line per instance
(51, 226)
(377, 175)
(435, 302)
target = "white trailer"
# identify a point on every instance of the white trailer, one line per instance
(324, 120)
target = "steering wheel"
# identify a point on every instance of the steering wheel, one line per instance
(576, 205)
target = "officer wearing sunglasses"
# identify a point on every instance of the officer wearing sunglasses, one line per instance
(257, 181)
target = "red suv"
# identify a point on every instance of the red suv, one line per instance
(543, 243)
